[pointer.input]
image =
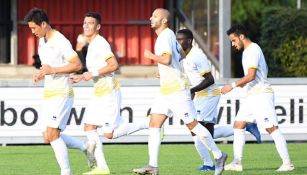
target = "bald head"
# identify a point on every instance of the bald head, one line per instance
(163, 13)
(159, 19)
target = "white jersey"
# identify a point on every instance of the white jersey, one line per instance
(56, 52)
(171, 76)
(99, 51)
(254, 58)
(195, 66)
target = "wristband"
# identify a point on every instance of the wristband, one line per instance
(233, 85)
(95, 73)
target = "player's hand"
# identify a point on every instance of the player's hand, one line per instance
(87, 76)
(227, 88)
(148, 54)
(47, 70)
(76, 78)
(37, 77)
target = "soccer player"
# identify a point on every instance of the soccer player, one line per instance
(174, 95)
(103, 109)
(58, 61)
(206, 95)
(259, 103)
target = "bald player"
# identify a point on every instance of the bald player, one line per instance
(174, 95)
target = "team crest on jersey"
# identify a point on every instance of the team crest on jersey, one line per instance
(54, 117)
(186, 115)
(266, 119)
(107, 124)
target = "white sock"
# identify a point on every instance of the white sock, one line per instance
(206, 138)
(281, 146)
(99, 155)
(154, 142)
(72, 142)
(61, 154)
(238, 144)
(128, 128)
(202, 151)
(223, 131)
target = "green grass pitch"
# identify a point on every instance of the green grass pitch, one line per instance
(175, 159)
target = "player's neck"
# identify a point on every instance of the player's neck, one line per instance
(247, 43)
(160, 29)
(49, 33)
(91, 38)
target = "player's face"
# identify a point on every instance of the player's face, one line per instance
(236, 41)
(90, 26)
(183, 41)
(37, 30)
(156, 19)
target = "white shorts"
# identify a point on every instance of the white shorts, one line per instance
(179, 103)
(259, 108)
(55, 112)
(104, 111)
(206, 108)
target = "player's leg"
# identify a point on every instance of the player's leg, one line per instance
(269, 121)
(223, 131)
(154, 142)
(244, 115)
(56, 112)
(60, 149)
(183, 107)
(159, 112)
(101, 164)
(94, 117)
(203, 153)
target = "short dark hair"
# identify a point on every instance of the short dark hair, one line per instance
(238, 29)
(37, 16)
(95, 15)
(187, 33)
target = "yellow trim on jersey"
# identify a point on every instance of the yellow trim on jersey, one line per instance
(253, 67)
(74, 56)
(101, 88)
(49, 93)
(108, 56)
(205, 93)
(257, 90)
(203, 73)
(167, 53)
(171, 87)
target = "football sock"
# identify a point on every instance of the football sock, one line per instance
(281, 146)
(61, 155)
(72, 142)
(154, 142)
(206, 138)
(223, 131)
(99, 155)
(238, 144)
(202, 151)
(128, 128)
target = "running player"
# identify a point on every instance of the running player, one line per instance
(174, 95)
(206, 96)
(259, 103)
(103, 109)
(58, 61)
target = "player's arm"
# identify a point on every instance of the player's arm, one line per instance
(165, 58)
(208, 81)
(74, 65)
(251, 75)
(112, 65)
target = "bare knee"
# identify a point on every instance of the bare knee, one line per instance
(239, 124)
(108, 135)
(51, 134)
(192, 124)
(272, 129)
